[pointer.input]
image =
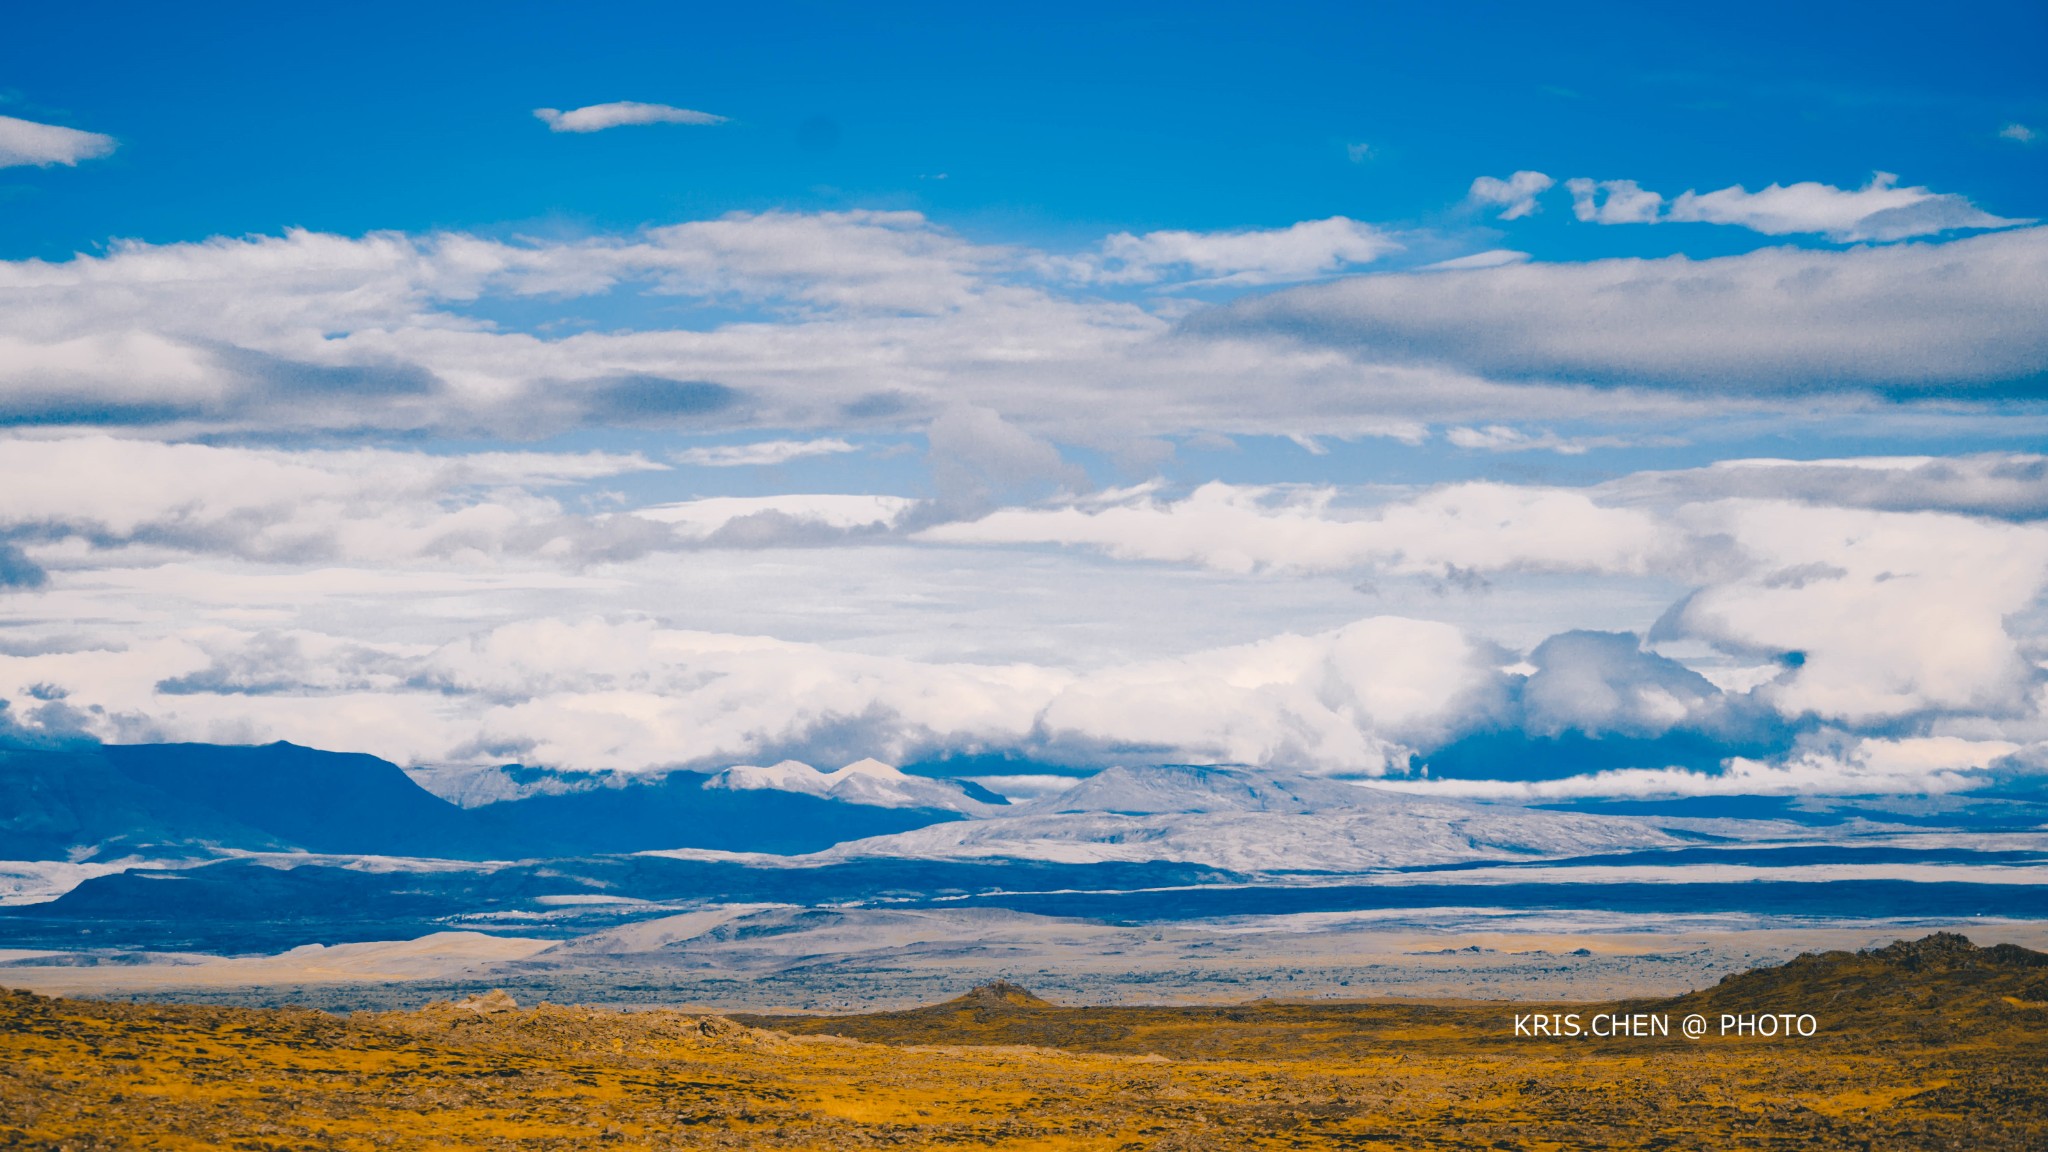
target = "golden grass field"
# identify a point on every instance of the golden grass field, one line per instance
(1934, 1044)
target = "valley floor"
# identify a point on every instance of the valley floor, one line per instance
(754, 958)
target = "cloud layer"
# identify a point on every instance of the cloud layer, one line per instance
(494, 606)
(248, 499)
(881, 319)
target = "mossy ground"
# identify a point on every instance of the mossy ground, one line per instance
(1935, 1045)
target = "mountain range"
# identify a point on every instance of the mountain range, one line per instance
(165, 800)
(189, 846)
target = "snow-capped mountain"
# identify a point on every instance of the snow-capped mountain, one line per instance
(868, 782)
(1251, 821)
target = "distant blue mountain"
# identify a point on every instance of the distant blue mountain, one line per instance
(318, 801)
(157, 798)
(243, 906)
(53, 802)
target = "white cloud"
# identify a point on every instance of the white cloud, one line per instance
(761, 453)
(1815, 578)
(1848, 767)
(2018, 133)
(1774, 578)
(977, 456)
(1339, 702)
(1605, 683)
(1515, 195)
(632, 695)
(777, 519)
(274, 504)
(2009, 485)
(598, 117)
(1464, 527)
(492, 606)
(1304, 251)
(1942, 319)
(1491, 258)
(1613, 202)
(882, 318)
(1880, 210)
(25, 142)
(1501, 438)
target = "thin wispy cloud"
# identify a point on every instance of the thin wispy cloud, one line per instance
(25, 143)
(1304, 251)
(1501, 438)
(761, 453)
(2018, 133)
(620, 113)
(1491, 258)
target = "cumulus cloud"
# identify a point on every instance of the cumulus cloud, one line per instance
(761, 453)
(1342, 702)
(1815, 578)
(1880, 210)
(633, 695)
(1516, 195)
(492, 606)
(2018, 133)
(1613, 202)
(1775, 581)
(598, 117)
(1603, 683)
(1305, 251)
(1955, 319)
(24, 143)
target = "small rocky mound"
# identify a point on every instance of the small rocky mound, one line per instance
(997, 995)
(485, 1004)
(1951, 949)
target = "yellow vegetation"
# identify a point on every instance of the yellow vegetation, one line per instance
(999, 1069)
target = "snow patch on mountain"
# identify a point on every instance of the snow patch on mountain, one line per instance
(1202, 788)
(868, 782)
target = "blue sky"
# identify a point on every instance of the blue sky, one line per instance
(1054, 124)
(643, 387)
